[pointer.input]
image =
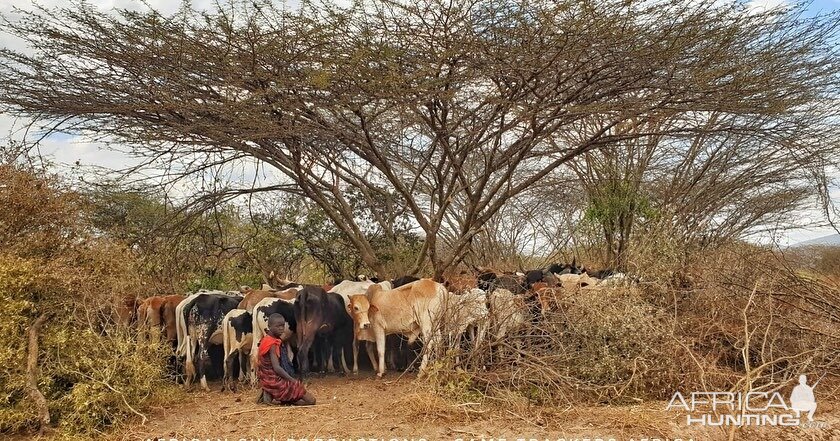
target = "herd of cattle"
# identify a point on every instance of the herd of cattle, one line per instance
(333, 320)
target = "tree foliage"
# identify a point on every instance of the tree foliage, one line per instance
(448, 109)
(53, 265)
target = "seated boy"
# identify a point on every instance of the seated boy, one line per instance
(278, 387)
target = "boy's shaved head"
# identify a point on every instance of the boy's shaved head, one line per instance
(276, 318)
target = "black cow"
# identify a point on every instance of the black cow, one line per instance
(540, 275)
(566, 268)
(203, 317)
(322, 321)
(404, 280)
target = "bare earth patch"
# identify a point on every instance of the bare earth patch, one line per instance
(363, 407)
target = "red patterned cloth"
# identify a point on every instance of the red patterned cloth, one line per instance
(280, 389)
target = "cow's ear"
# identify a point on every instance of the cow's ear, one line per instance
(349, 309)
(373, 308)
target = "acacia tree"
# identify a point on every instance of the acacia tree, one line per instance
(454, 106)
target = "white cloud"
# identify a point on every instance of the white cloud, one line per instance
(766, 5)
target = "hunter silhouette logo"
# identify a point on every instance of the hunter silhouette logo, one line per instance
(802, 398)
(753, 408)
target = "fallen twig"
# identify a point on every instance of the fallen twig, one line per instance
(270, 408)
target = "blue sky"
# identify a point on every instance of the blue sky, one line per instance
(65, 150)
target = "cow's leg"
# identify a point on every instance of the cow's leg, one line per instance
(203, 354)
(369, 347)
(243, 366)
(431, 338)
(356, 355)
(395, 351)
(227, 378)
(337, 356)
(189, 363)
(379, 333)
(256, 323)
(343, 354)
(327, 351)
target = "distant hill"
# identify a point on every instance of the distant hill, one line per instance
(830, 240)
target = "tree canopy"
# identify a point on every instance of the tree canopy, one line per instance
(440, 110)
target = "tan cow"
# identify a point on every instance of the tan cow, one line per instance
(149, 320)
(412, 310)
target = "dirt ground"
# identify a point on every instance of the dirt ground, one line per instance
(397, 408)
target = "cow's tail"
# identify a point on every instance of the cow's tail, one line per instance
(180, 328)
(256, 329)
(300, 312)
(226, 343)
(141, 322)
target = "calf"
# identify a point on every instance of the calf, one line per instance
(322, 315)
(124, 313)
(170, 304)
(547, 297)
(156, 313)
(149, 319)
(460, 283)
(237, 334)
(412, 310)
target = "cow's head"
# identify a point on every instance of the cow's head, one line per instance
(359, 308)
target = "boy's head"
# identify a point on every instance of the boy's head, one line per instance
(276, 325)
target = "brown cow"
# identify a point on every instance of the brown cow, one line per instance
(124, 313)
(460, 283)
(156, 313)
(253, 297)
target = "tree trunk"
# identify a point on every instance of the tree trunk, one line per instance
(32, 376)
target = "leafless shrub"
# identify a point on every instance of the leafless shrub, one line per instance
(745, 321)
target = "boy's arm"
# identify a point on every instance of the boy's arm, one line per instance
(275, 364)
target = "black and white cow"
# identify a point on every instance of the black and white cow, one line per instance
(259, 323)
(202, 316)
(237, 333)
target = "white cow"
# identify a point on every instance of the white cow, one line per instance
(508, 312)
(467, 312)
(348, 288)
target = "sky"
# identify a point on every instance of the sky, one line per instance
(73, 154)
